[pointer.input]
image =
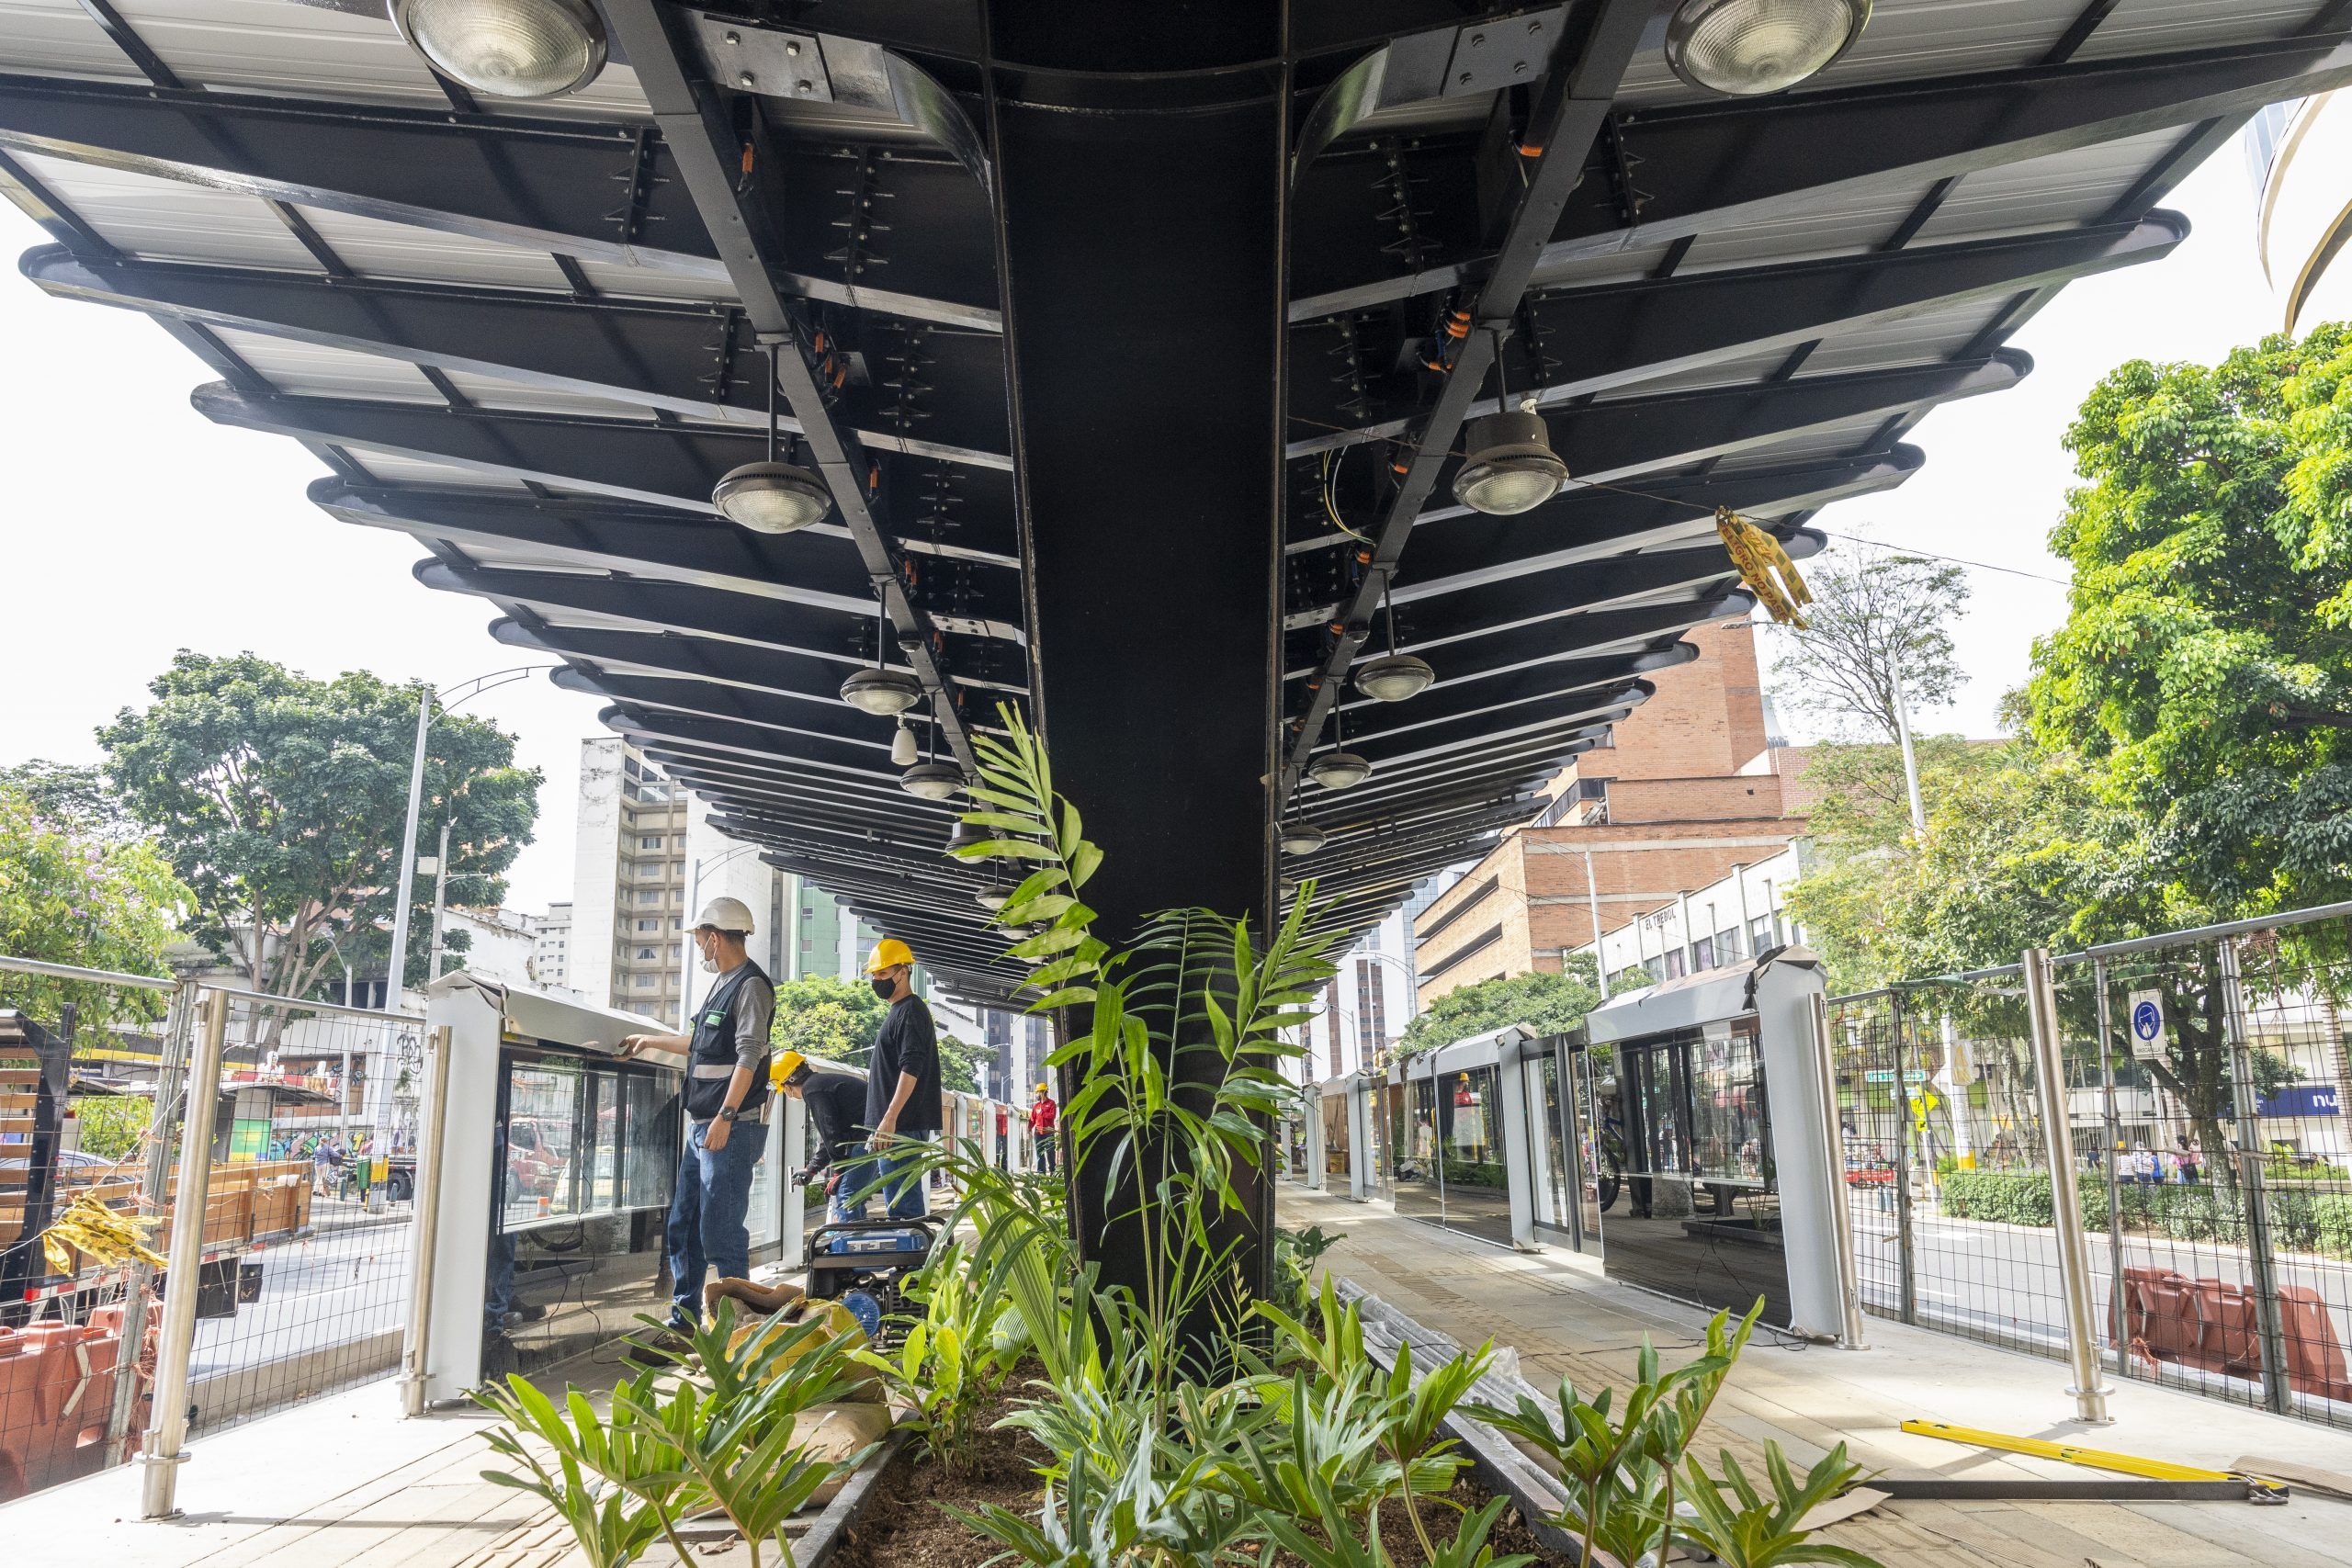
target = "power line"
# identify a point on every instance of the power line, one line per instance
(1955, 561)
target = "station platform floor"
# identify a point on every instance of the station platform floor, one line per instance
(344, 1480)
(1566, 1319)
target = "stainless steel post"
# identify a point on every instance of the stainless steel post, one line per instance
(167, 1435)
(2261, 1272)
(2116, 1313)
(425, 1246)
(2065, 1193)
(171, 1078)
(1841, 1217)
(396, 980)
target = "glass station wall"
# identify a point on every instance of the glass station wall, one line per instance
(583, 1170)
(1337, 1109)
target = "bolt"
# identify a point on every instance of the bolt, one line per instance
(807, 86)
(744, 79)
(792, 46)
(1519, 68)
(1535, 27)
(734, 38)
(1478, 39)
(1464, 78)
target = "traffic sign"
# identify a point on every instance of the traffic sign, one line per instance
(2145, 1016)
(1887, 1075)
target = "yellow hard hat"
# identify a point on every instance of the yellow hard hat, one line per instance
(888, 953)
(787, 1067)
(1041, 1088)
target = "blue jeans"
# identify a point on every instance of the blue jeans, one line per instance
(707, 1203)
(902, 1196)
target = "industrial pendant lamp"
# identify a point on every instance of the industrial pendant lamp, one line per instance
(1511, 467)
(994, 896)
(962, 835)
(883, 692)
(1747, 47)
(1394, 676)
(902, 745)
(1341, 769)
(930, 779)
(507, 48)
(1302, 838)
(771, 497)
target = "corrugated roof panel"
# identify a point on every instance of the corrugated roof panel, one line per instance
(2063, 189)
(1904, 38)
(303, 369)
(1743, 371)
(375, 248)
(493, 392)
(1863, 221)
(394, 469)
(2167, 26)
(167, 220)
(56, 37)
(1925, 339)
(272, 47)
(1617, 266)
(645, 282)
(1835, 441)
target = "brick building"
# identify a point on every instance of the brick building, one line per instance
(1692, 786)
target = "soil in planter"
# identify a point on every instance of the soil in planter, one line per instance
(903, 1528)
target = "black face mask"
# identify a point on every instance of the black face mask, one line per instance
(884, 987)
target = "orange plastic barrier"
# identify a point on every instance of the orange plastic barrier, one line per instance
(56, 1383)
(2215, 1326)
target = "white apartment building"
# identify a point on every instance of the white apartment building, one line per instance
(552, 955)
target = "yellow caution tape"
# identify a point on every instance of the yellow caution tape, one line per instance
(1765, 567)
(91, 1229)
(2071, 1453)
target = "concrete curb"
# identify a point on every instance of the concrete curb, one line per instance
(823, 1537)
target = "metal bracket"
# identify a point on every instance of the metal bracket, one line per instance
(761, 60)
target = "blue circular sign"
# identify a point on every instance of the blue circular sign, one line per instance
(2147, 1020)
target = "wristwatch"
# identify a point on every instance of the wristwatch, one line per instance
(726, 1112)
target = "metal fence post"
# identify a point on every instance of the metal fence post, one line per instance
(2065, 1191)
(168, 1434)
(2278, 1393)
(425, 1246)
(171, 1080)
(1906, 1255)
(2117, 1319)
(1841, 1216)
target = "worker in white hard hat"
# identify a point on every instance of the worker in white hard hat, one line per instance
(726, 1053)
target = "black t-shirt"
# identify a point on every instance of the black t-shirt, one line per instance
(908, 1043)
(835, 1101)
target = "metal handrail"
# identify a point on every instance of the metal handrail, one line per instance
(375, 1014)
(75, 972)
(2205, 933)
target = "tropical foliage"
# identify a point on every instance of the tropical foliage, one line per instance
(1548, 1003)
(69, 892)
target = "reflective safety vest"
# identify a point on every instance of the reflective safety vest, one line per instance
(711, 1059)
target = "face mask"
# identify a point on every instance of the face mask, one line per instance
(709, 960)
(884, 987)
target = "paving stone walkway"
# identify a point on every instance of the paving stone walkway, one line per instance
(1564, 1319)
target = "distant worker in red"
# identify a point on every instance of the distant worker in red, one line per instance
(1041, 1129)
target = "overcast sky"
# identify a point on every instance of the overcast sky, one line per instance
(134, 527)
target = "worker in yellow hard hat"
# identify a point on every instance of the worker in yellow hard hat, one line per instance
(902, 1079)
(835, 1102)
(1041, 1136)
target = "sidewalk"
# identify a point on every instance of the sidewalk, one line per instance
(1565, 1319)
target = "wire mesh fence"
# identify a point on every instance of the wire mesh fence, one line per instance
(2201, 1083)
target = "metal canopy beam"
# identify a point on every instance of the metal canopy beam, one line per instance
(1605, 336)
(609, 193)
(674, 357)
(1707, 168)
(634, 460)
(739, 207)
(1576, 96)
(756, 669)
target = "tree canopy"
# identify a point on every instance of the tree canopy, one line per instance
(2204, 671)
(71, 894)
(1877, 617)
(278, 799)
(1548, 1003)
(820, 1016)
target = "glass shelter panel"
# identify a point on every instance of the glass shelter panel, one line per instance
(1476, 1182)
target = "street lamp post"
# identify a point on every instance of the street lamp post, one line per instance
(448, 697)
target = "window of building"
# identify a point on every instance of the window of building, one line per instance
(649, 841)
(1677, 964)
(644, 955)
(1704, 952)
(649, 896)
(651, 925)
(645, 983)
(675, 922)
(808, 944)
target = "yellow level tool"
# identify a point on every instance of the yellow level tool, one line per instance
(2073, 1453)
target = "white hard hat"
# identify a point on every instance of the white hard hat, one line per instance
(726, 915)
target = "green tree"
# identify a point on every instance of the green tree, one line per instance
(74, 794)
(70, 896)
(1877, 624)
(820, 1016)
(2204, 671)
(278, 799)
(1548, 1003)
(959, 1064)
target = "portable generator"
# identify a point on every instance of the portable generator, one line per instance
(870, 1259)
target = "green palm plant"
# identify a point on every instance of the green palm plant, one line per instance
(952, 1358)
(618, 1483)
(1742, 1529)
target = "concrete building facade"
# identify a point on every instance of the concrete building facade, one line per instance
(551, 953)
(1694, 784)
(629, 886)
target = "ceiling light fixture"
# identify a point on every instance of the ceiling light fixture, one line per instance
(1394, 676)
(1341, 769)
(1747, 47)
(995, 896)
(507, 48)
(903, 753)
(1511, 467)
(930, 779)
(962, 835)
(883, 692)
(772, 496)
(1302, 838)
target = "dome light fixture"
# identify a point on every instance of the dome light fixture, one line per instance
(771, 496)
(882, 692)
(962, 835)
(1511, 467)
(932, 781)
(1743, 48)
(902, 746)
(1302, 838)
(1393, 676)
(516, 50)
(994, 896)
(1339, 770)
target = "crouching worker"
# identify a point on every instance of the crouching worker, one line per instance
(835, 1102)
(727, 1093)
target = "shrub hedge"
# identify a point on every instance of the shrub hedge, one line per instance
(2301, 1220)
